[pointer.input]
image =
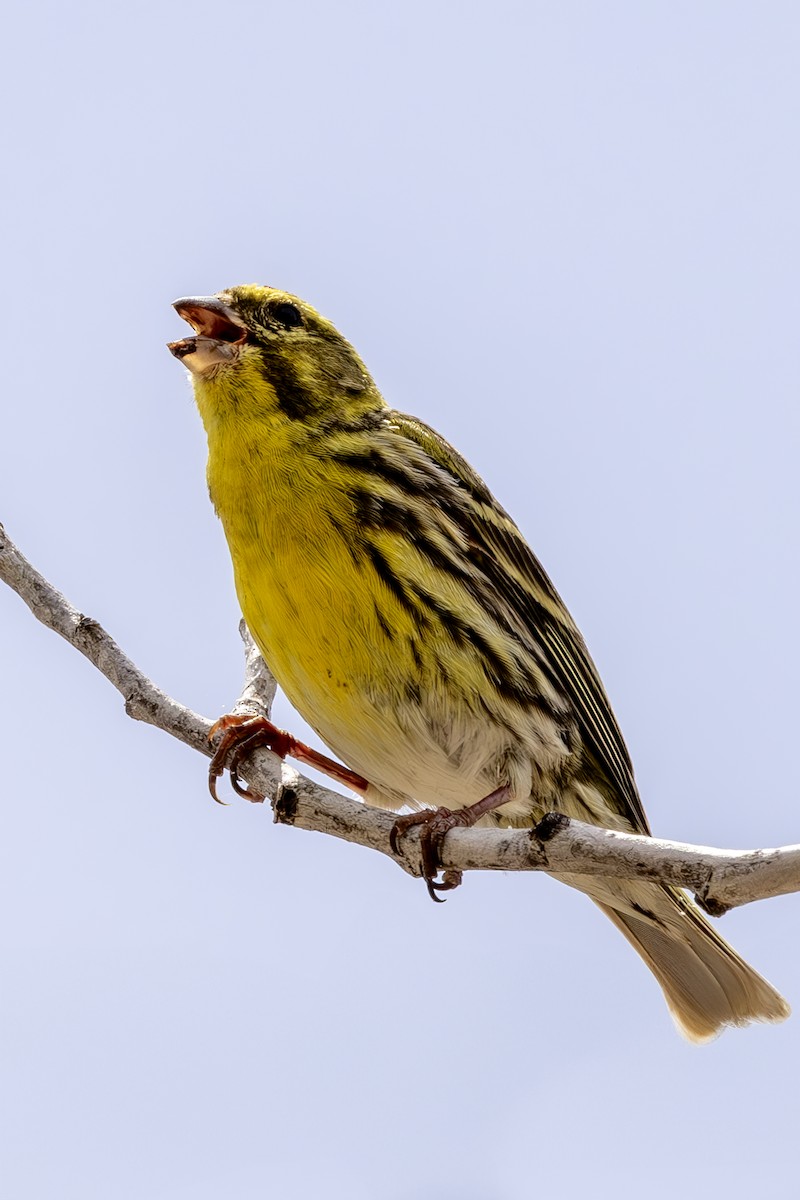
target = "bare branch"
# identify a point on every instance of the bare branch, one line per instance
(143, 700)
(721, 879)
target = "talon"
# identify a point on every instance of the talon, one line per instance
(241, 735)
(212, 787)
(403, 824)
(435, 824)
(242, 789)
(242, 749)
(214, 772)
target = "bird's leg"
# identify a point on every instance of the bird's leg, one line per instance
(435, 824)
(243, 734)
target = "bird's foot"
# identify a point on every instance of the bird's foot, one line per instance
(435, 824)
(242, 734)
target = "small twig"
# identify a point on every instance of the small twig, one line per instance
(259, 686)
(721, 878)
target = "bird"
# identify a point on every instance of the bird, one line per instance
(406, 619)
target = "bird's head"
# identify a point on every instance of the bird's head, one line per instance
(269, 351)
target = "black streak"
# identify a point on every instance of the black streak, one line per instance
(295, 400)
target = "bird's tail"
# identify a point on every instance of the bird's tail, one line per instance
(706, 984)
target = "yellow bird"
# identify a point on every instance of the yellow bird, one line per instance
(407, 620)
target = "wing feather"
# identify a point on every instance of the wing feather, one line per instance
(531, 606)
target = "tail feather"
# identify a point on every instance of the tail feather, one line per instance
(706, 984)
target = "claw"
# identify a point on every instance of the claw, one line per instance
(451, 879)
(243, 790)
(435, 824)
(432, 888)
(212, 787)
(216, 766)
(239, 733)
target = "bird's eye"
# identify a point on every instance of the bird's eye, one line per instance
(285, 313)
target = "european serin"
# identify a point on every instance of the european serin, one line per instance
(405, 617)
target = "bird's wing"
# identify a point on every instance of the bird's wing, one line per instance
(511, 570)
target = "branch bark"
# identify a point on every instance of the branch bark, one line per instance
(721, 879)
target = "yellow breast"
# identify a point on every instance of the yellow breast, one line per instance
(308, 603)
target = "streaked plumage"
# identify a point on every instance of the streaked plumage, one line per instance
(407, 620)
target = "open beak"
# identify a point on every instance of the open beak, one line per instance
(218, 333)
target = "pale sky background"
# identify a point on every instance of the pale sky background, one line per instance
(565, 234)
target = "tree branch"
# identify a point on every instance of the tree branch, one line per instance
(721, 879)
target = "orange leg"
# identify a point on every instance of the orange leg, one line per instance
(243, 734)
(435, 824)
